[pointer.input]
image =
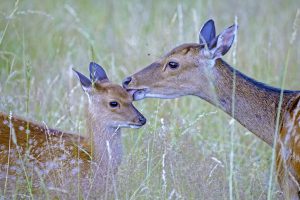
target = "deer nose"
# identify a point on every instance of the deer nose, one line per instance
(142, 120)
(126, 81)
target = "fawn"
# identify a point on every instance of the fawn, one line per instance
(198, 69)
(109, 109)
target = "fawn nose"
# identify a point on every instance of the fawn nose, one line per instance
(126, 81)
(142, 120)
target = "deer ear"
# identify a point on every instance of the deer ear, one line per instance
(97, 73)
(224, 41)
(84, 81)
(207, 33)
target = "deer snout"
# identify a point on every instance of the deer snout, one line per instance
(134, 88)
(126, 81)
(138, 121)
(142, 120)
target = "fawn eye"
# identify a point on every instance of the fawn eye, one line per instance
(113, 104)
(173, 65)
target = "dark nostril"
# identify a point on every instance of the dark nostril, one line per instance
(142, 120)
(126, 81)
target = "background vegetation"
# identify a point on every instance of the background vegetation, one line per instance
(183, 152)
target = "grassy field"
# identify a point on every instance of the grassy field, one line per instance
(183, 151)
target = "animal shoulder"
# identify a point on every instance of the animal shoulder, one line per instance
(42, 141)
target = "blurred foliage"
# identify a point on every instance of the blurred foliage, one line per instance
(54, 36)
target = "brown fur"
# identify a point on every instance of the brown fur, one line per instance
(288, 150)
(255, 104)
(26, 144)
(38, 140)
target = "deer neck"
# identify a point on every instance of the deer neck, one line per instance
(255, 104)
(106, 144)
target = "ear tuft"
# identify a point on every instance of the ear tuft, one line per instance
(97, 73)
(207, 33)
(84, 81)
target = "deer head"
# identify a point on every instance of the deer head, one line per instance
(109, 102)
(185, 70)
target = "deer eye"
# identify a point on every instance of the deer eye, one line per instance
(173, 65)
(113, 104)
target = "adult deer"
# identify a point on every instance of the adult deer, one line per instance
(46, 150)
(198, 69)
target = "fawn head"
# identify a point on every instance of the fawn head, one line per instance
(182, 71)
(109, 102)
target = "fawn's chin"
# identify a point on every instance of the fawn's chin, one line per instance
(130, 126)
(135, 125)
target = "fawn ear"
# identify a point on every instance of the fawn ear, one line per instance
(97, 73)
(224, 41)
(207, 33)
(84, 81)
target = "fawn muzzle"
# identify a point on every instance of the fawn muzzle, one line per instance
(142, 120)
(138, 121)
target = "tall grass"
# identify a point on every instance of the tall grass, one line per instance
(186, 149)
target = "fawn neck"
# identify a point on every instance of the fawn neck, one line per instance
(255, 104)
(106, 142)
